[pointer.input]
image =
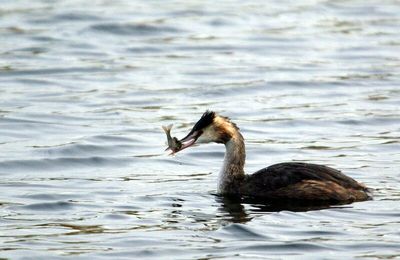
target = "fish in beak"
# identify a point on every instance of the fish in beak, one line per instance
(173, 143)
(176, 145)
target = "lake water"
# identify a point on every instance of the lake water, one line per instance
(86, 85)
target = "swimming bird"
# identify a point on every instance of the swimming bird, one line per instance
(282, 181)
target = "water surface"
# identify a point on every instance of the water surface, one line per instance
(86, 86)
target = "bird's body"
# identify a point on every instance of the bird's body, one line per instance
(283, 181)
(303, 181)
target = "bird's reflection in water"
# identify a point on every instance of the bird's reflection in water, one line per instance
(242, 210)
(234, 208)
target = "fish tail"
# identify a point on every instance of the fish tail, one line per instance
(167, 129)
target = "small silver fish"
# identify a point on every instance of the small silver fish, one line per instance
(173, 142)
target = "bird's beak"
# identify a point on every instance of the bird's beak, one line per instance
(189, 140)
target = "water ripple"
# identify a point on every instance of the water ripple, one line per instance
(134, 29)
(62, 163)
(50, 206)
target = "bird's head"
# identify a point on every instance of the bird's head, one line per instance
(211, 127)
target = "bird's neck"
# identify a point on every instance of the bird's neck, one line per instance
(232, 172)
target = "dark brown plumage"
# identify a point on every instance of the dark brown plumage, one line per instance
(303, 181)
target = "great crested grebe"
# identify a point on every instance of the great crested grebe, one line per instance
(283, 181)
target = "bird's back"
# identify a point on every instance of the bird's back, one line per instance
(303, 181)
